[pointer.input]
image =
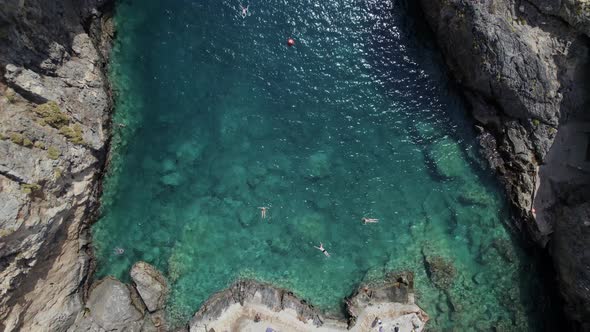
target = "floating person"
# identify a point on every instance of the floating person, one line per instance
(263, 210)
(244, 10)
(369, 220)
(321, 248)
(118, 251)
(290, 42)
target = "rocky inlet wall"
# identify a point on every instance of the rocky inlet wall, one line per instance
(54, 115)
(523, 66)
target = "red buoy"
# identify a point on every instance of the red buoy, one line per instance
(290, 42)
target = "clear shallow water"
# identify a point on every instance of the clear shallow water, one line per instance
(356, 120)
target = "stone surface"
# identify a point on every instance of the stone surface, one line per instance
(49, 182)
(524, 68)
(251, 306)
(150, 284)
(109, 308)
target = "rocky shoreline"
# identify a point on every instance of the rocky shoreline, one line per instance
(246, 305)
(522, 65)
(523, 68)
(55, 110)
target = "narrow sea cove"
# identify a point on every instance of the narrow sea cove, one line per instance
(216, 117)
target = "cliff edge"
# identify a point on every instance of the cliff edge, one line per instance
(54, 115)
(524, 68)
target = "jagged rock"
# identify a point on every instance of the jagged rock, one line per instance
(575, 12)
(524, 68)
(246, 303)
(251, 292)
(473, 194)
(44, 236)
(150, 284)
(505, 249)
(395, 287)
(109, 308)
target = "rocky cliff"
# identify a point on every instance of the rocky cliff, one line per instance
(54, 114)
(523, 66)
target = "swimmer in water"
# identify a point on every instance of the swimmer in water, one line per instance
(263, 210)
(244, 10)
(321, 248)
(369, 220)
(118, 251)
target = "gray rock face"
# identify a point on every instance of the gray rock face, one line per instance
(256, 293)
(54, 106)
(110, 307)
(574, 12)
(394, 288)
(252, 306)
(524, 68)
(150, 284)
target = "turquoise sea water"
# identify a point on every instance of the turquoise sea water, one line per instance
(216, 116)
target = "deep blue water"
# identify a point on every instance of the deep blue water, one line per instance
(216, 117)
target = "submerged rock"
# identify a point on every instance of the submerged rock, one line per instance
(150, 284)
(448, 158)
(473, 194)
(440, 271)
(318, 166)
(505, 249)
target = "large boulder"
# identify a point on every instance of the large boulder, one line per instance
(150, 284)
(110, 307)
(248, 305)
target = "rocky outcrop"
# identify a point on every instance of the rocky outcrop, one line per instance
(440, 271)
(523, 66)
(390, 300)
(111, 307)
(150, 284)
(575, 12)
(247, 291)
(251, 306)
(54, 113)
(115, 306)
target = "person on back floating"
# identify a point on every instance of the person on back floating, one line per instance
(321, 248)
(369, 220)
